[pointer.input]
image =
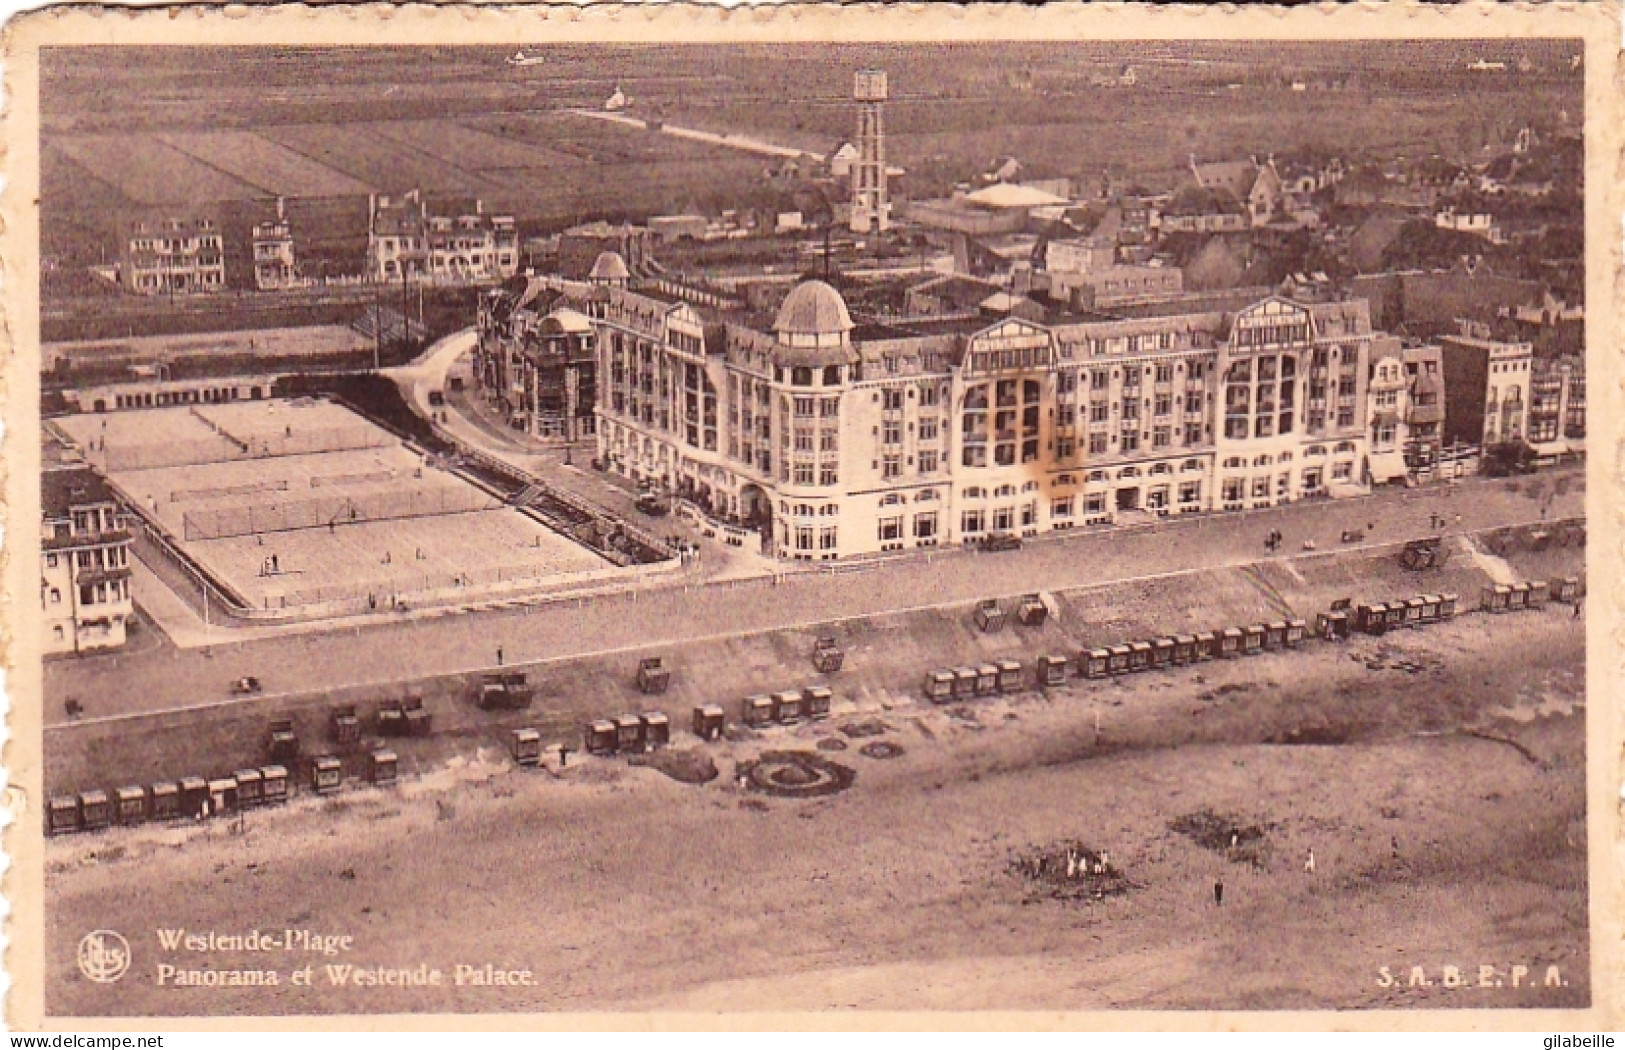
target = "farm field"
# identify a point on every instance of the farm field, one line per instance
(147, 171)
(264, 164)
(361, 152)
(470, 148)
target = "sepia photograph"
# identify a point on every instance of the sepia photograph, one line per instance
(542, 526)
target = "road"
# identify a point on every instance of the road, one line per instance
(362, 655)
(466, 418)
(739, 142)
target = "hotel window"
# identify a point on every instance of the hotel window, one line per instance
(891, 529)
(1097, 443)
(1100, 412)
(1164, 405)
(1165, 372)
(1190, 492)
(1193, 433)
(1094, 503)
(804, 407)
(1341, 471)
(1385, 434)
(925, 525)
(827, 440)
(891, 467)
(1066, 382)
(929, 395)
(975, 456)
(1232, 490)
(1099, 379)
(1004, 519)
(1160, 437)
(1131, 441)
(928, 461)
(1061, 508)
(804, 473)
(1029, 514)
(891, 433)
(1064, 448)
(827, 474)
(829, 407)
(970, 521)
(804, 538)
(804, 439)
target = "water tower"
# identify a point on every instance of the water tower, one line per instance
(871, 211)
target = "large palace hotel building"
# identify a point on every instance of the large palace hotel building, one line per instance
(837, 439)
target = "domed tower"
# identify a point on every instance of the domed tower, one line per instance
(609, 271)
(813, 360)
(814, 329)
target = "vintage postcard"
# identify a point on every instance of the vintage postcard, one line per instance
(609, 516)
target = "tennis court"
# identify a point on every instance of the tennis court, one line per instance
(300, 502)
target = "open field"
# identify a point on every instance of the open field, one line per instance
(149, 172)
(455, 144)
(1434, 847)
(274, 169)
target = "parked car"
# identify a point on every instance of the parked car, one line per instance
(1000, 541)
(652, 504)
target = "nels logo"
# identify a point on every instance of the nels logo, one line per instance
(104, 956)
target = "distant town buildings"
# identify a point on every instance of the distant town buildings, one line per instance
(1109, 286)
(1200, 209)
(1479, 224)
(441, 241)
(1256, 187)
(163, 254)
(84, 562)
